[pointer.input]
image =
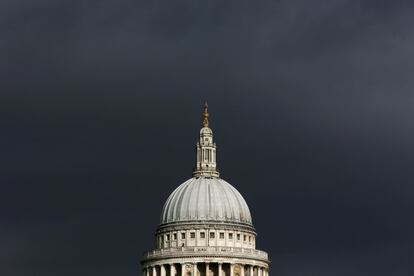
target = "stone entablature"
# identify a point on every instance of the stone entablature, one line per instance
(207, 251)
(206, 224)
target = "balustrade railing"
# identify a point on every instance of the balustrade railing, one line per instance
(213, 250)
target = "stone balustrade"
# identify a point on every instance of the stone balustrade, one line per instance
(206, 251)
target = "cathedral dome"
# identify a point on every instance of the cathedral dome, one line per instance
(205, 226)
(206, 199)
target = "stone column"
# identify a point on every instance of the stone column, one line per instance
(251, 271)
(172, 272)
(231, 269)
(219, 269)
(162, 270)
(207, 269)
(154, 271)
(182, 269)
(242, 269)
(194, 269)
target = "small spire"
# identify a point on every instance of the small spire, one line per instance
(206, 164)
(205, 122)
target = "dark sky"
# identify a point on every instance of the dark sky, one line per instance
(311, 102)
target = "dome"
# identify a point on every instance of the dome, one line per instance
(206, 199)
(206, 130)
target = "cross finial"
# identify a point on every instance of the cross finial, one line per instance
(205, 122)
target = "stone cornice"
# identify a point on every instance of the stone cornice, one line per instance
(177, 226)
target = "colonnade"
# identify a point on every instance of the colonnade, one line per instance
(205, 269)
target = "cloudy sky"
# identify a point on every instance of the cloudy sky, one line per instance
(311, 102)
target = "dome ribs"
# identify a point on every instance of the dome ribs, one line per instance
(206, 199)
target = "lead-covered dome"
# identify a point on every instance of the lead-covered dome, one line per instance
(206, 199)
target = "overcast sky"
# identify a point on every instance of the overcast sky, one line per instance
(311, 103)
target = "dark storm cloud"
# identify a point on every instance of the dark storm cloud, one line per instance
(100, 105)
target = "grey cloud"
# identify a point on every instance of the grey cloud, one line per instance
(100, 108)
